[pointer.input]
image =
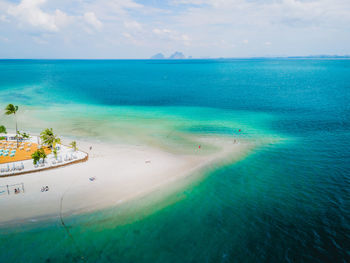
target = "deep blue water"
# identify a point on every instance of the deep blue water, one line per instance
(288, 201)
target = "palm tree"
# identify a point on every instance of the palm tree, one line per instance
(74, 145)
(24, 135)
(38, 154)
(2, 129)
(12, 109)
(49, 138)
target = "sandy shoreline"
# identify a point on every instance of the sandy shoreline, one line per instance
(121, 172)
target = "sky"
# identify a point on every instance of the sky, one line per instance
(122, 29)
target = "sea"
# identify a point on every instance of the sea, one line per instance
(286, 200)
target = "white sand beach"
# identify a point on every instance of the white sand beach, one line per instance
(113, 174)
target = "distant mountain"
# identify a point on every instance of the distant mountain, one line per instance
(177, 55)
(158, 56)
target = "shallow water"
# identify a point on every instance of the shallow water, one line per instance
(287, 201)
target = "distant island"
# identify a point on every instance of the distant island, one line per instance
(158, 56)
(175, 55)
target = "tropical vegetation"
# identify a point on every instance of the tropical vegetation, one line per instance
(3, 129)
(12, 110)
(23, 135)
(55, 152)
(38, 154)
(73, 144)
(49, 138)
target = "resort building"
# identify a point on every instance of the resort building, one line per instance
(16, 156)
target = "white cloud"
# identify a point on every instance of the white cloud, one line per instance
(40, 40)
(196, 27)
(92, 20)
(4, 39)
(163, 31)
(4, 18)
(255, 13)
(172, 35)
(133, 25)
(28, 12)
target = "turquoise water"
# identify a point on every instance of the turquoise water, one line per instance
(287, 201)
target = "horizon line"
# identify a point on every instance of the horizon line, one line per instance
(192, 58)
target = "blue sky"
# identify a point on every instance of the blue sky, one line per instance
(200, 28)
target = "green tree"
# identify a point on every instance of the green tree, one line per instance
(23, 135)
(38, 154)
(49, 138)
(9, 110)
(55, 153)
(74, 145)
(3, 129)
